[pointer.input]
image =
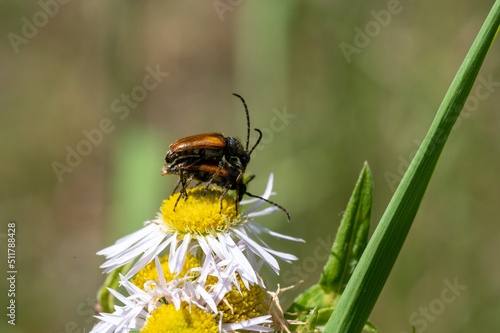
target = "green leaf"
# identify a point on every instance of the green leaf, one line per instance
(313, 297)
(312, 319)
(350, 241)
(104, 298)
(326, 313)
(365, 285)
(369, 327)
(352, 236)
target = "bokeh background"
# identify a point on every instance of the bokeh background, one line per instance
(323, 114)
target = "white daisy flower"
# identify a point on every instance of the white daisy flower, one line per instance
(224, 237)
(156, 300)
(153, 293)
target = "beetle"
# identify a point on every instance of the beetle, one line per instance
(212, 158)
(210, 147)
(213, 147)
(229, 178)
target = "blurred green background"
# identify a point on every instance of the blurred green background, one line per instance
(323, 114)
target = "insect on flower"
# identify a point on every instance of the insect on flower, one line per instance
(214, 159)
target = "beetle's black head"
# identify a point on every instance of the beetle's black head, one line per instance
(236, 155)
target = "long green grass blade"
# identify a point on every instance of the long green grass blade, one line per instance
(370, 275)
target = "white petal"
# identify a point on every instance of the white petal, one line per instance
(178, 256)
(263, 212)
(250, 325)
(150, 241)
(283, 255)
(257, 228)
(126, 241)
(257, 249)
(147, 257)
(244, 268)
(159, 269)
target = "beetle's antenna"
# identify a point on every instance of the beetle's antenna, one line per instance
(258, 140)
(272, 203)
(248, 118)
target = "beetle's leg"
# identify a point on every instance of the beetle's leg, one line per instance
(236, 201)
(177, 201)
(221, 165)
(183, 182)
(183, 189)
(187, 165)
(187, 184)
(240, 190)
(222, 198)
(176, 186)
(182, 166)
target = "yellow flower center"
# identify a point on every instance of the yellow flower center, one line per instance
(239, 306)
(200, 213)
(150, 273)
(166, 319)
